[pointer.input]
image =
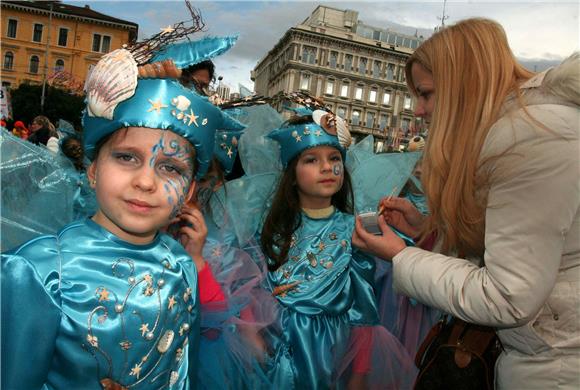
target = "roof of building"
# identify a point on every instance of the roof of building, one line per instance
(67, 9)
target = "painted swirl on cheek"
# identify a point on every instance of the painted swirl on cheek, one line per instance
(176, 188)
(337, 169)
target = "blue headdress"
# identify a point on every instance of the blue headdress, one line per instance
(121, 94)
(325, 128)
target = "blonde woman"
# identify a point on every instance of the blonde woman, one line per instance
(501, 173)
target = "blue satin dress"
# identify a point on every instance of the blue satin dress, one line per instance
(333, 293)
(86, 310)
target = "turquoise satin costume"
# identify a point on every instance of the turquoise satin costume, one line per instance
(86, 310)
(333, 294)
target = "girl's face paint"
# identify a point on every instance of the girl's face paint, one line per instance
(337, 169)
(142, 179)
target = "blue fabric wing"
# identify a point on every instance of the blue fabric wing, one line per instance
(379, 176)
(37, 188)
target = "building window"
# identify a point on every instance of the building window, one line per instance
(405, 124)
(376, 69)
(101, 43)
(308, 54)
(37, 33)
(407, 104)
(341, 112)
(59, 65)
(373, 96)
(106, 47)
(329, 87)
(6, 84)
(402, 77)
(384, 121)
(333, 59)
(304, 81)
(12, 26)
(34, 61)
(355, 117)
(62, 36)
(348, 63)
(8, 60)
(390, 71)
(377, 35)
(344, 90)
(358, 93)
(370, 120)
(362, 65)
(96, 42)
(386, 98)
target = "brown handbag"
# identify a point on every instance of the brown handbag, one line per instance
(457, 355)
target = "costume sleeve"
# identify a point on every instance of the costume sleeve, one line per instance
(362, 272)
(533, 199)
(30, 323)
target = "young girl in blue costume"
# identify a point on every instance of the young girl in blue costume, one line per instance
(109, 302)
(328, 319)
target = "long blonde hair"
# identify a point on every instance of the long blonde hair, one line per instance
(473, 72)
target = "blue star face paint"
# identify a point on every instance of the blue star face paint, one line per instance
(337, 169)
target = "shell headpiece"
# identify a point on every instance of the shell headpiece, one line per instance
(121, 93)
(326, 128)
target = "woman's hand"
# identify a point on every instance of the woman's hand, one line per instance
(192, 234)
(386, 246)
(402, 215)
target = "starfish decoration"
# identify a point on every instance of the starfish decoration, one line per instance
(230, 152)
(167, 30)
(148, 291)
(156, 106)
(171, 303)
(298, 138)
(125, 345)
(148, 279)
(144, 329)
(103, 295)
(216, 252)
(318, 133)
(321, 246)
(136, 371)
(192, 118)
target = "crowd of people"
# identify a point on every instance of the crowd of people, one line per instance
(224, 249)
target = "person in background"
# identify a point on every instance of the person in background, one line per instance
(44, 133)
(502, 141)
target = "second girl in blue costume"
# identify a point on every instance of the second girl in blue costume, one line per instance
(329, 337)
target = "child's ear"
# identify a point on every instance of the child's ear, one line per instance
(92, 174)
(191, 192)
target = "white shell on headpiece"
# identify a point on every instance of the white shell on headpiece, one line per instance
(317, 116)
(112, 80)
(342, 132)
(181, 102)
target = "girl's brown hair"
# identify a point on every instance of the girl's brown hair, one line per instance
(473, 72)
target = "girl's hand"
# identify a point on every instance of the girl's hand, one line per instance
(192, 234)
(402, 215)
(386, 246)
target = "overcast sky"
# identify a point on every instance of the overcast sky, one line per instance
(541, 33)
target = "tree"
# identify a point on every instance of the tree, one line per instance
(58, 104)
